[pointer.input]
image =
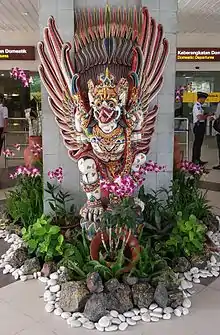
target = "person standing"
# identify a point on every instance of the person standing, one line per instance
(216, 126)
(199, 127)
(3, 120)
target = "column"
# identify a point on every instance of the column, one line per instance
(165, 12)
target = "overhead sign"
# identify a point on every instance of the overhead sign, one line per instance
(17, 52)
(198, 54)
(191, 97)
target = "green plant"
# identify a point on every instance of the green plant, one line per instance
(44, 239)
(187, 237)
(63, 214)
(24, 204)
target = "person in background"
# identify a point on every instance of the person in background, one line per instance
(216, 126)
(3, 120)
(199, 127)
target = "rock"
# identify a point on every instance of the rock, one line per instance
(48, 268)
(23, 278)
(95, 307)
(75, 324)
(177, 312)
(54, 276)
(167, 316)
(143, 310)
(89, 325)
(175, 298)
(153, 306)
(116, 321)
(99, 328)
(111, 328)
(122, 318)
(83, 320)
(69, 320)
(213, 259)
(129, 314)
(161, 295)
(154, 319)
(187, 303)
(136, 311)
(146, 317)
(30, 266)
(77, 315)
(168, 310)
(194, 270)
(43, 279)
(5, 271)
(119, 299)
(196, 280)
(114, 314)
(104, 322)
(55, 288)
(94, 283)
(52, 282)
(185, 284)
(188, 276)
(131, 322)
(112, 285)
(185, 311)
(158, 310)
(49, 308)
(65, 275)
(143, 295)
(19, 257)
(181, 264)
(128, 280)
(74, 296)
(65, 315)
(168, 278)
(58, 311)
(156, 315)
(215, 273)
(123, 326)
(136, 318)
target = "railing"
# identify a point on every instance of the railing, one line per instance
(17, 133)
(181, 130)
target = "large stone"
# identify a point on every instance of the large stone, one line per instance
(119, 297)
(161, 295)
(19, 257)
(143, 295)
(95, 307)
(74, 296)
(65, 275)
(181, 264)
(175, 298)
(94, 283)
(199, 261)
(130, 280)
(168, 278)
(30, 266)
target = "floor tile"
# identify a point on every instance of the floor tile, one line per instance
(216, 284)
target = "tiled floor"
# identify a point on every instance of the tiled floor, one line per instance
(22, 313)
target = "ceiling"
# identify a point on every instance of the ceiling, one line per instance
(193, 16)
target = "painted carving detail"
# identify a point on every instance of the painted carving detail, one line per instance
(101, 100)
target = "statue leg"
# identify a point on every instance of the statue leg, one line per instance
(93, 209)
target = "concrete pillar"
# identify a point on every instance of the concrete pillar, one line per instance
(165, 12)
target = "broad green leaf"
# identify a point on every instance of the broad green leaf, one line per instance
(54, 230)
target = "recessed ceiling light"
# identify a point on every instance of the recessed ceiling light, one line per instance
(25, 13)
(2, 74)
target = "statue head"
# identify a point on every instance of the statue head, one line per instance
(107, 100)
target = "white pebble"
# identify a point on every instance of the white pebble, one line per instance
(185, 284)
(167, 316)
(156, 315)
(77, 315)
(154, 319)
(51, 282)
(8, 267)
(104, 322)
(49, 308)
(185, 311)
(43, 279)
(213, 259)
(54, 276)
(57, 305)
(89, 325)
(35, 275)
(188, 276)
(177, 312)
(16, 276)
(123, 326)
(121, 317)
(196, 280)
(116, 321)
(65, 315)
(146, 317)
(168, 310)
(187, 303)
(23, 278)
(144, 310)
(158, 310)
(58, 294)
(136, 318)
(111, 328)
(39, 274)
(153, 306)
(129, 314)
(131, 322)
(114, 314)
(20, 272)
(136, 311)
(75, 324)
(12, 270)
(5, 271)
(58, 311)
(55, 289)
(99, 328)
(215, 273)
(83, 319)
(194, 270)
(29, 277)
(196, 276)
(69, 320)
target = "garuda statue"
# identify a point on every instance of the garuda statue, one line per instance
(100, 92)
